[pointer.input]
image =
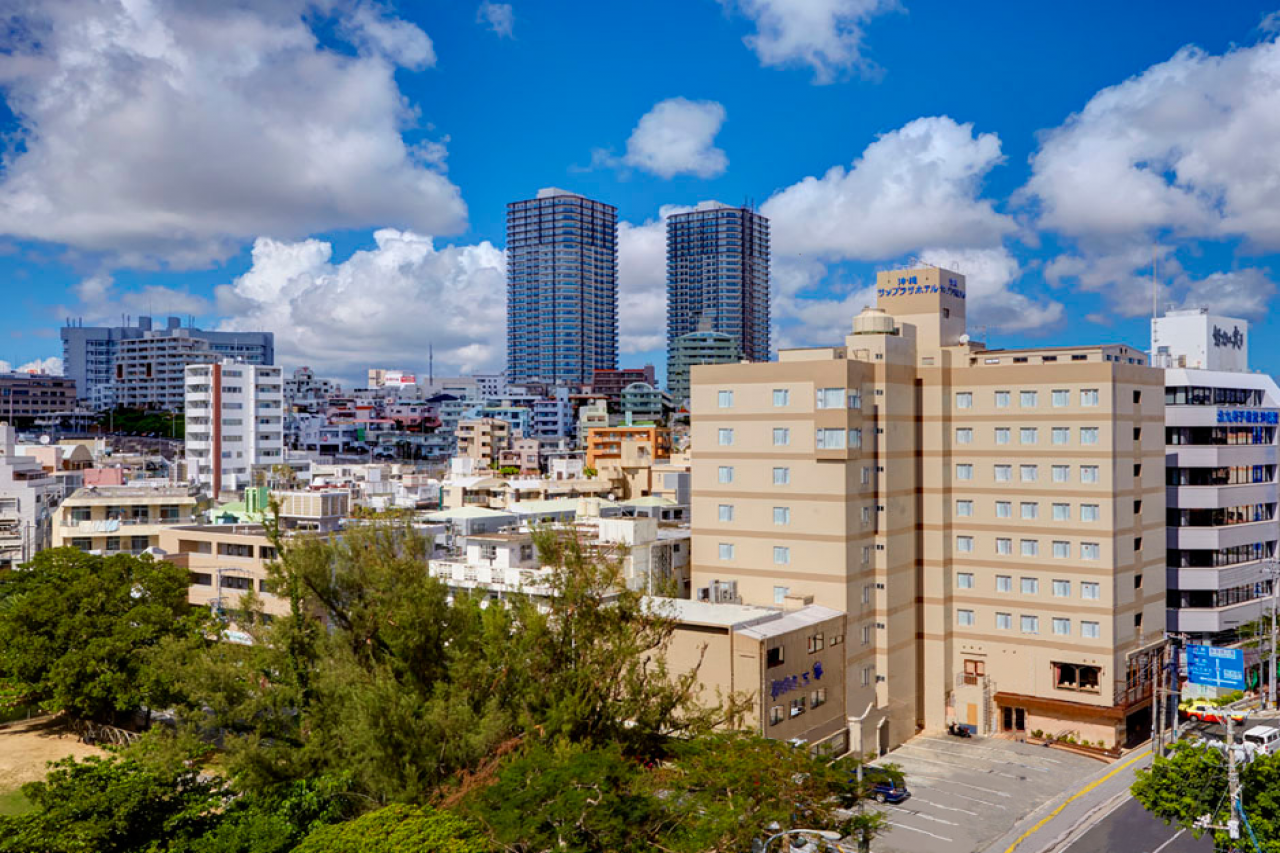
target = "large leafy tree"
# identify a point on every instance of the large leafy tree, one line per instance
(78, 631)
(1191, 783)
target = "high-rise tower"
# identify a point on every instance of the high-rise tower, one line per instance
(562, 288)
(718, 276)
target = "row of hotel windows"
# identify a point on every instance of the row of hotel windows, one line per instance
(824, 439)
(1031, 473)
(1089, 590)
(1031, 435)
(1220, 435)
(1030, 510)
(1031, 547)
(825, 398)
(1030, 399)
(815, 699)
(1031, 624)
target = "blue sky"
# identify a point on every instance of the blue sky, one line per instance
(337, 173)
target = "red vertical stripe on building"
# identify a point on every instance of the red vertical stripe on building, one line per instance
(215, 429)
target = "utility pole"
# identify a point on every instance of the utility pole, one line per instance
(1272, 569)
(1157, 717)
(1233, 779)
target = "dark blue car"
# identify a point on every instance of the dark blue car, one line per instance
(883, 787)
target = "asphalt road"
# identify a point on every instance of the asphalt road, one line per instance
(1130, 829)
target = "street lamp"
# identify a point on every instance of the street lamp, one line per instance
(828, 834)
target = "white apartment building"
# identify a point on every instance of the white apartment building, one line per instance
(1222, 489)
(234, 423)
(27, 498)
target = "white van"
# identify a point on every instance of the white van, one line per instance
(1264, 739)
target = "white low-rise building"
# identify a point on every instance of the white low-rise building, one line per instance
(27, 497)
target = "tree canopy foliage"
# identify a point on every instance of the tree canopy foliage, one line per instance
(78, 630)
(384, 712)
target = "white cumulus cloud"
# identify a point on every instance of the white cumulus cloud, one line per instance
(991, 301)
(826, 35)
(51, 365)
(98, 301)
(162, 131)
(676, 137)
(1187, 147)
(381, 306)
(913, 187)
(499, 16)
(642, 282)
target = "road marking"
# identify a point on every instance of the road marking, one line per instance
(990, 749)
(1078, 794)
(961, 766)
(921, 831)
(963, 785)
(979, 758)
(1170, 841)
(940, 806)
(923, 816)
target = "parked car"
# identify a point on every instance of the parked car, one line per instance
(884, 786)
(1203, 712)
(1265, 739)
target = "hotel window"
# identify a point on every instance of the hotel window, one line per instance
(964, 580)
(1004, 546)
(964, 435)
(964, 618)
(1089, 397)
(1062, 589)
(782, 515)
(1030, 586)
(1004, 583)
(781, 397)
(1090, 630)
(726, 437)
(781, 555)
(1061, 473)
(1091, 590)
(866, 593)
(797, 707)
(866, 555)
(726, 399)
(964, 472)
(726, 550)
(866, 675)
(1002, 399)
(1090, 551)
(855, 437)
(1004, 473)
(964, 544)
(964, 400)
(726, 512)
(1027, 399)
(1062, 512)
(1061, 627)
(781, 436)
(866, 475)
(1061, 398)
(830, 439)
(1030, 624)
(1089, 512)
(855, 399)
(1088, 435)
(1004, 509)
(1061, 549)
(781, 476)
(830, 398)
(1029, 473)
(1002, 435)
(866, 635)
(1027, 435)
(1061, 435)
(818, 697)
(1088, 473)
(866, 515)
(1030, 510)
(726, 473)
(1004, 621)
(776, 715)
(964, 509)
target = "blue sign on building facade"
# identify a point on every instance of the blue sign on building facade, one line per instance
(785, 685)
(1214, 667)
(1245, 416)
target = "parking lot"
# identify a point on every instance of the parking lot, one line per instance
(967, 792)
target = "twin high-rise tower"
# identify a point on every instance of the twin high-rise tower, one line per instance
(562, 289)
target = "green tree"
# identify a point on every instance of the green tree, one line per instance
(78, 631)
(398, 829)
(112, 805)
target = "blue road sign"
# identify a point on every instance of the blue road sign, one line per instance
(1213, 667)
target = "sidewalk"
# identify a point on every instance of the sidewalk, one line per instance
(1050, 824)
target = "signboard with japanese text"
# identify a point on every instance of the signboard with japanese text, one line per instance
(1213, 667)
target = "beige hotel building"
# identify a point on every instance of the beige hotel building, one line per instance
(991, 521)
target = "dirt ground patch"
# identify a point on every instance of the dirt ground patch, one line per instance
(26, 746)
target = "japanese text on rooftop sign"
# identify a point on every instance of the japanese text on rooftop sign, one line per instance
(910, 286)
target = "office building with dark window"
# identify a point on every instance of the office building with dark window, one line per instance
(562, 288)
(718, 277)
